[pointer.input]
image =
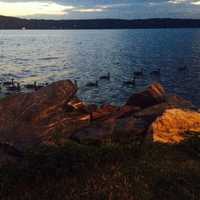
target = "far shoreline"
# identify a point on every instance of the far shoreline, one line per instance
(99, 24)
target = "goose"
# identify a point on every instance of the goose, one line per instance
(92, 84)
(156, 72)
(182, 68)
(130, 82)
(31, 86)
(8, 83)
(139, 73)
(14, 87)
(39, 87)
(35, 86)
(105, 77)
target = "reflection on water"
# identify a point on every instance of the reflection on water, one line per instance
(84, 55)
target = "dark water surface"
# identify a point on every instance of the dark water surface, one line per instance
(84, 55)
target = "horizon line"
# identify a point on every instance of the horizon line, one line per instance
(124, 19)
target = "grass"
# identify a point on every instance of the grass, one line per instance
(109, 171)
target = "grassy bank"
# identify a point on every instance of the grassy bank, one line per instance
(110, 171)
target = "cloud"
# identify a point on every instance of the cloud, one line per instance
(196, 3)
(33, 8)
(187, 2)
(178, 1)
(44, 7)
(89, 10)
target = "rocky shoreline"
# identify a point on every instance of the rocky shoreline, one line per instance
(54, 115)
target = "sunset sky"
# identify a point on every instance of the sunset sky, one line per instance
(67, 9)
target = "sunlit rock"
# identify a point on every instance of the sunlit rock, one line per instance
(175, 125)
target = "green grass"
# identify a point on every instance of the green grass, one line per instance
(109, 171)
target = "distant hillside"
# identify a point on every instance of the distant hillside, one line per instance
(18, 23)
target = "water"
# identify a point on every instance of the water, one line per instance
(84, 55)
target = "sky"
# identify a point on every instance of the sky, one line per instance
(85, 9)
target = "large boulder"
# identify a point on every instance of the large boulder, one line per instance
(153, 95)
(175, 125)
(31, 118)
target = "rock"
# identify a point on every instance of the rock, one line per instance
(151, 113)
(174, 125)
(126, 111)
(95, 133)
(31, 118)
(127, 124)
(153, 95)
(171, 101)
(81, 106)
(104, 112)
(179, 102)
(53, 114)
(129, 130)
(78, 105)
(124, 131)
(102, 125)
(114, 112)
(102, 121)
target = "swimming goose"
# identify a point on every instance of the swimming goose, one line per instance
(35, 86)
(139, 73)
(156, 72)
(105, 77)
(14, 87)
(130, 82)
(8, 83)
(92, 84)
(31, 86)
(39, 87)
